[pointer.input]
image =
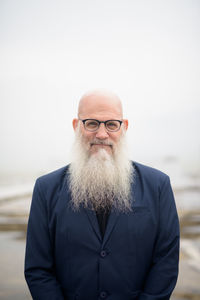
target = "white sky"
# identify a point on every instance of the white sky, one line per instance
(51, 52)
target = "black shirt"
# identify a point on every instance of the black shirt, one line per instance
(102, 217)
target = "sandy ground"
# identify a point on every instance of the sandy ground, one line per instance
(13, 222)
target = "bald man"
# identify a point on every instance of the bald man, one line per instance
(103, 227)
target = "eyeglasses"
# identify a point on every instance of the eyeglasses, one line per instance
(93, 125)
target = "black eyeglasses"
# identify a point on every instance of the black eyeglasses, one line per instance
(93, 125)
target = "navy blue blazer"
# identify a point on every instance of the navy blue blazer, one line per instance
(66, 257)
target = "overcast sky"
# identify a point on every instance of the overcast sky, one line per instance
(51, 52)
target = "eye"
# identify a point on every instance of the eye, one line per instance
(113, 125)
(91, 124)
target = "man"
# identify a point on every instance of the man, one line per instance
(103, 227)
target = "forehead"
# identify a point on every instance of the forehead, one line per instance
(102, 107)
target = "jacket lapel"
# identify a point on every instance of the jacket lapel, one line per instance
(95, 225)
(94, 222)
(112, 220)
(114, 216)
(66, 195)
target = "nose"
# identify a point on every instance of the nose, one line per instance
(102, 132)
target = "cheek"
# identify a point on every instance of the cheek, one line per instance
(88, 136)
(115, 137)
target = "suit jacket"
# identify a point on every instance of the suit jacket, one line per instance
(67, 258)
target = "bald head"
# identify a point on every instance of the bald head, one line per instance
(100, 102)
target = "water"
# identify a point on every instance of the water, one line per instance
(12, 284)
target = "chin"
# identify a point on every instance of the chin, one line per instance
(96, 149)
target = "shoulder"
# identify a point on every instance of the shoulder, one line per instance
(154, 184)
(53, 180)
(148, 171)
(54, 175)
(49, 186)
(150, 175)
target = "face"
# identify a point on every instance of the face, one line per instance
(100, 107)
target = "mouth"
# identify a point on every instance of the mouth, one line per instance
(101, 145)
(95, 147)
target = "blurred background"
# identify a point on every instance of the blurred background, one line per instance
(51, 52)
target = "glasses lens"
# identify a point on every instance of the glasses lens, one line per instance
(113, 125)
(91, 125)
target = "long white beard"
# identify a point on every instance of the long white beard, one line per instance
(100, 180)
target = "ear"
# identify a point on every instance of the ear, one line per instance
(125, 122)
(75, 123)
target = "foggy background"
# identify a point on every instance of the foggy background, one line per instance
(51, 52)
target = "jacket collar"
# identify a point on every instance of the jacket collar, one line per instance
(112, 220)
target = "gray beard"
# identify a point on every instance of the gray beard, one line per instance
(102, 180)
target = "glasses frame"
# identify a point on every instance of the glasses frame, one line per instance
(104, 122)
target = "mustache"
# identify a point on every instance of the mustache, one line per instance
(100, 142)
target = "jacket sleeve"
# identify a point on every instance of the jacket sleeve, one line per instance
(163, 273)
(39, 264)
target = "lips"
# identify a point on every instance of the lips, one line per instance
(101, 144)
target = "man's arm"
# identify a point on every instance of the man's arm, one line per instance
(163, 273)
(39, 263)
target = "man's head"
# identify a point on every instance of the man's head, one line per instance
(101, 106)
(100, 172)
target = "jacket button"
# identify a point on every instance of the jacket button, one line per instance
(103, 295)
(103, 253)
